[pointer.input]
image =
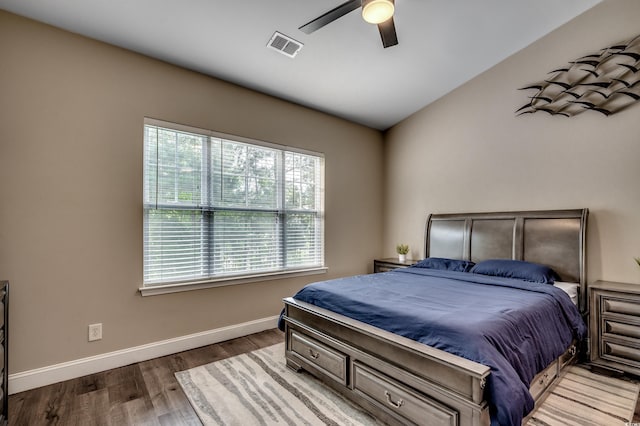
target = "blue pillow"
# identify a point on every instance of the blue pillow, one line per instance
(445, 264)
(518, 269)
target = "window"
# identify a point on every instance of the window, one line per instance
(219, 207)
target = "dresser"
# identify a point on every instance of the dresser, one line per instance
(615, 325)
(390, 263)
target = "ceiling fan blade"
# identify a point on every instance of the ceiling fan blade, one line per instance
(330, 16)
(388, 33)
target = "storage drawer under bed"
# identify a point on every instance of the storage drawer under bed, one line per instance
(320, 356)
(543, 379)
(400, 400)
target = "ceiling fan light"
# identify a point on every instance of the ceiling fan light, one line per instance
(377, 11)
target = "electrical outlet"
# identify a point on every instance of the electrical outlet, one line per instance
(95, 332)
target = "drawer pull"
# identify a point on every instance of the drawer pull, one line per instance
(313, 355)
(544, 378)
(398, 404)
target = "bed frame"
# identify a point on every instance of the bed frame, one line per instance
(401, 381)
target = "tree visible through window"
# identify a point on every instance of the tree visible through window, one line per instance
(220, 207)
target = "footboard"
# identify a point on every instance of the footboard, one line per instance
(398, 380)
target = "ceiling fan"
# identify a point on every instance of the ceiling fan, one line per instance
(379, 12)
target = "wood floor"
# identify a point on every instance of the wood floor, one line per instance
(145, 393)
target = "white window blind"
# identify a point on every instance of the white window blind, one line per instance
(218, 206)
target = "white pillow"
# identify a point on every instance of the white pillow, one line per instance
(570, 288)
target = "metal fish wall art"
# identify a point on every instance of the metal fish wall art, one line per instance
(607, 81)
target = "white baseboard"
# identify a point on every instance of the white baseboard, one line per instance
(31, 379)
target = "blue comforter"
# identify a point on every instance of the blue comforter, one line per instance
(514, 327)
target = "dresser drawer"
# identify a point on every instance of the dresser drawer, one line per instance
(324, 358)
(617, 306)
(623, 353)
(543, 380)
(621, 329)
(400, 400)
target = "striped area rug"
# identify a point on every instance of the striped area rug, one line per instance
(258, 389)
(583, 398)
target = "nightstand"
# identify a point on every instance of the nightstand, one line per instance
(614, 327)
(391, 263)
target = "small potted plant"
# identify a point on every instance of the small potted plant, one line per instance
(402, 250)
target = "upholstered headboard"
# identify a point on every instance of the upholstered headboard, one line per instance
(556, 238)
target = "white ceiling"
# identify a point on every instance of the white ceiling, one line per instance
(342, 68)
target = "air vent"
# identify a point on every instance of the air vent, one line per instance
(284, 44)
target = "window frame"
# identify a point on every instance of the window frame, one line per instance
(154, 288)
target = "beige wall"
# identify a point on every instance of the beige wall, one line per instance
(71, 120)
(71, 112)
(469, 152)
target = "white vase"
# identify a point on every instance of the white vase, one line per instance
(402, 257)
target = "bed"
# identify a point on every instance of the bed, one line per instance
(411, 374)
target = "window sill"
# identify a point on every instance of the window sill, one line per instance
(154, 290)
